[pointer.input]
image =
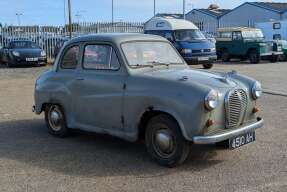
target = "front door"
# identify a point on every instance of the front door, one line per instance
(237, 47)
(100, 82)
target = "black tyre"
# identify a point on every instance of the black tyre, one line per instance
(207, 65)
(164, 141)
(225, 55)
(56, 121)
(274, 58)
(254, 57)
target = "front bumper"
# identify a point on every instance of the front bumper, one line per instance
(271, 53)
(20, 61)
(227, 134)
(200, 59)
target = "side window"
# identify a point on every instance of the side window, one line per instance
(236, 35)
(225, 35)
(70, 58)
(169, 36)
(100, 57)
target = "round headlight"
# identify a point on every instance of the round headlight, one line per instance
(16, 53)
(211, 100)
(43, 53)
(256, 90)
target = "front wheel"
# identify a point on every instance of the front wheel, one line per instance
(164, 141)
(55, 120)
(225, 56)
(254, 57)
(207, 65)
(274, 58)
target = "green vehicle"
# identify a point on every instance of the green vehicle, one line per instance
(245, 43)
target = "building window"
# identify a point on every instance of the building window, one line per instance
(276, 25)
(277, 36)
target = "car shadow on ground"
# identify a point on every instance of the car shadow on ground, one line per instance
(88, 154)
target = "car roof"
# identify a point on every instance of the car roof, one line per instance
(117, 38)
(230, 29)
(162, 23)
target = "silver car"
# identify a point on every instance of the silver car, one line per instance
(137, 86)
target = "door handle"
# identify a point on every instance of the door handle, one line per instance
(80, 79)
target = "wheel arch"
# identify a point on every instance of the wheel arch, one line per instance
(251, 49)
(152, 112)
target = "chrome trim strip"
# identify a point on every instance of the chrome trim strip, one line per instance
(208, 139)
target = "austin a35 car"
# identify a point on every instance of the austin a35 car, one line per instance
(138, 87)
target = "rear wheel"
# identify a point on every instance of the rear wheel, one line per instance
(55, 120)
(254, 57)
(207, 65)
(225, 56)
(164, 141)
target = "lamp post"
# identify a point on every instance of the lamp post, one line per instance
(70, 18)
(183, 9)
(19, 18)
(154, 8)
(112, 11)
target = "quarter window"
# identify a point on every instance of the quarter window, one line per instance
(70, 58)
(100, 57)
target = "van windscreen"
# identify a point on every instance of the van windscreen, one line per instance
(189, 35)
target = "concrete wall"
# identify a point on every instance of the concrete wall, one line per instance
(203, 21)
(247, 15)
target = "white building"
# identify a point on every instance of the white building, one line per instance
(250, 13)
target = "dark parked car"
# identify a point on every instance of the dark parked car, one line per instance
(23, 52)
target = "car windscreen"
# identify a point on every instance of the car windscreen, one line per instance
(189, 35)
(23, 45)
(252, 34)
(149, 54)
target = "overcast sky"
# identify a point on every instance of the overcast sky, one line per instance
(51, 12)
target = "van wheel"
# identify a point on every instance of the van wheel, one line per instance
(207, 65)
(225, 56)
(164, 141)
(56, 121)
(254, 57)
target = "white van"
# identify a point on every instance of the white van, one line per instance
(187, 39)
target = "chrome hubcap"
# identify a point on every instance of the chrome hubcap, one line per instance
(55, 118)
(164, 141)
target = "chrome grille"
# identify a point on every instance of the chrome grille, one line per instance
(236, 105)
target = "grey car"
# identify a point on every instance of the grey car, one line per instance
(138, 87)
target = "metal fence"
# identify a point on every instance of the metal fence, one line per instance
(48, 36)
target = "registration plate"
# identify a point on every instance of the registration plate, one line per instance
(203, 58)
(241, 140)
(31, 59)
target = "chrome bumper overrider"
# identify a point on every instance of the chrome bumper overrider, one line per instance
(218, 137)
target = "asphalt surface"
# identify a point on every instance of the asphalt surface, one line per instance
(32, 160)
